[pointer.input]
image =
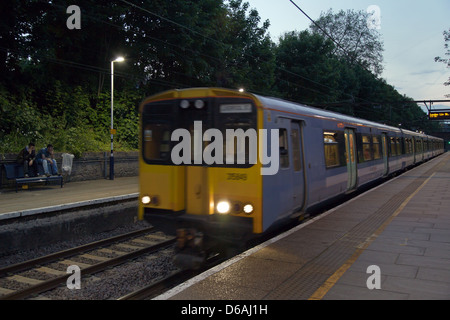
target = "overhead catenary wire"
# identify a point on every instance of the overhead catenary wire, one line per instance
(319, 26)
(353, 98)
(106, 71)
(166, 43)
(369, 103)
(245, 53)
(363, 103)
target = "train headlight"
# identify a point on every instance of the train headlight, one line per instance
(146, 199)
(199, 104)
(184, 104)
(248, 208)
(223, 207)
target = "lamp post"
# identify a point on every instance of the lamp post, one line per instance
(111, 158)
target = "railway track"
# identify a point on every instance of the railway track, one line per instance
(160, 286)
(173, 279)
(32, 277)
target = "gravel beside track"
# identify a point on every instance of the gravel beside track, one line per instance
(21, 256)
(110, 284)
(118, 281)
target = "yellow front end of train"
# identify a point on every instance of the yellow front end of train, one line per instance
(179, 187)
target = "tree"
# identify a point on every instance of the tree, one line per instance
(353, 38)
(61, 75)
(247, 59)
(443, 60)
(307, 71)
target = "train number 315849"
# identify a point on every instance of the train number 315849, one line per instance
(236, 176)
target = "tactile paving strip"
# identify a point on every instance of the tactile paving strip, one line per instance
(314, 273)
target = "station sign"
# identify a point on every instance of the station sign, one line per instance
(439, 115)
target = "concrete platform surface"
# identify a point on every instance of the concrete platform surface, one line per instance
(392, 242)
(37, 198)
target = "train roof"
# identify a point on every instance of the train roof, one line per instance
(301, 109)
(305, 110)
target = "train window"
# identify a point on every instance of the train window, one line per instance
(376, 147)
(234, 118)
(393, 147)
(296, 149)
(366, 148)
(156, 141)
(284, 154)
(409, 143)
(241, 143)
(331, 148)
(399, 146)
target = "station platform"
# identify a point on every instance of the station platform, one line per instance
(41, 199)
(391, 243)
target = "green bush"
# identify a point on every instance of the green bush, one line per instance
(68, 121)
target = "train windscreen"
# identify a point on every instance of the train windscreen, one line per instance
(207, 132)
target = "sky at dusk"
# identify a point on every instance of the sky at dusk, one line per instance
(412, 33)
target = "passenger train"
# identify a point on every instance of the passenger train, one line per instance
(318, 155)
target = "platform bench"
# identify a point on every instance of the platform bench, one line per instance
(14, 172)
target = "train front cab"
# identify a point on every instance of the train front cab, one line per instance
(217, 200)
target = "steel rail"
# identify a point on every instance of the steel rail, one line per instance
(172, 280)
(160, 286)
(70, 252)
(54, 282)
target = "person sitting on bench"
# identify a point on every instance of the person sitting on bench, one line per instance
(26, 157)
(46, 158)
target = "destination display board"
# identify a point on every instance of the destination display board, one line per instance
(439, 115)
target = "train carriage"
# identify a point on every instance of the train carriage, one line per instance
(222, 166)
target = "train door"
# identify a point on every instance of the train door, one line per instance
(284, 192)
(197, 195)
(421, 144)
(196, 183)
(298, 179)
(284, 179)
(384, 142)
(350, 148)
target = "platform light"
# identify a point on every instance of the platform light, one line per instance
(223, 207)
(111, 157)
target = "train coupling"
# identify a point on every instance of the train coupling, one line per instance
(190, 252)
